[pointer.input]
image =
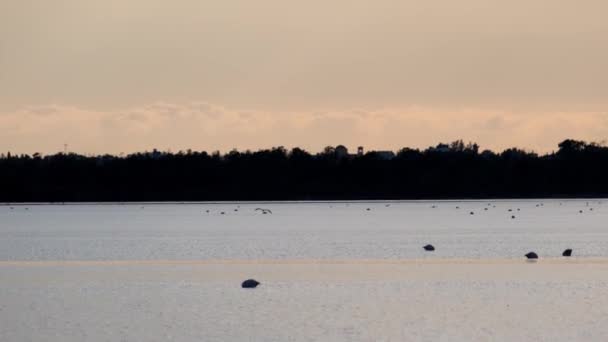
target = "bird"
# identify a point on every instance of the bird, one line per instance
(264, 211)
(567, 253)
(472, 213)
(250, 284)
(368, 209)
(222, 213)
(532, 255)
(429, 248)
(512, 216)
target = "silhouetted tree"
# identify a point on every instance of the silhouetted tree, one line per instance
(454, 170)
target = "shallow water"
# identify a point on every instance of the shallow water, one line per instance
(303, 230)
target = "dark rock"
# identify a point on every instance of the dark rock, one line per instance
(512, 216)
(250, 284)
(429, 248)
(567, 252)
(532, 255)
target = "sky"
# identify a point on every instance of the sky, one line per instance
(118, 76)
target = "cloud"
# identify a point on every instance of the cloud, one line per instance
(205, 126)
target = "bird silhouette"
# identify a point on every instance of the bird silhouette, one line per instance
(532, 255)
(264, 211)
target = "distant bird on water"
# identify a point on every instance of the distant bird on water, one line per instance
(250, 284)
(532, 255)
(567, 253)
(264, 211)
(429, 248)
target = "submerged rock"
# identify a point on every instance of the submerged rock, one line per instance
(429, 248)
(250, 284)
(532, 255)
(567, 252)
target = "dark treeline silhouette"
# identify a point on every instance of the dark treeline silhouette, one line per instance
(455, 170)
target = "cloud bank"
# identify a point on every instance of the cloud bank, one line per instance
(205, 126)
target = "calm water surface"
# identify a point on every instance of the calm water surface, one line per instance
(188, 286)
(302, 230)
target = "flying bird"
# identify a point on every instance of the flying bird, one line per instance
(264, 211)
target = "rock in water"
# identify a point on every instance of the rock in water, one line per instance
(567, 252)
(532, 255)
(250, 284)
(429, 248)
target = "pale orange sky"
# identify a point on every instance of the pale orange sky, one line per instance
(127, 75)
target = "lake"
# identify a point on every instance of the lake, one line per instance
(330, 271)
(302, 230)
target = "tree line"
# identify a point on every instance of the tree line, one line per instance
(446, 171)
